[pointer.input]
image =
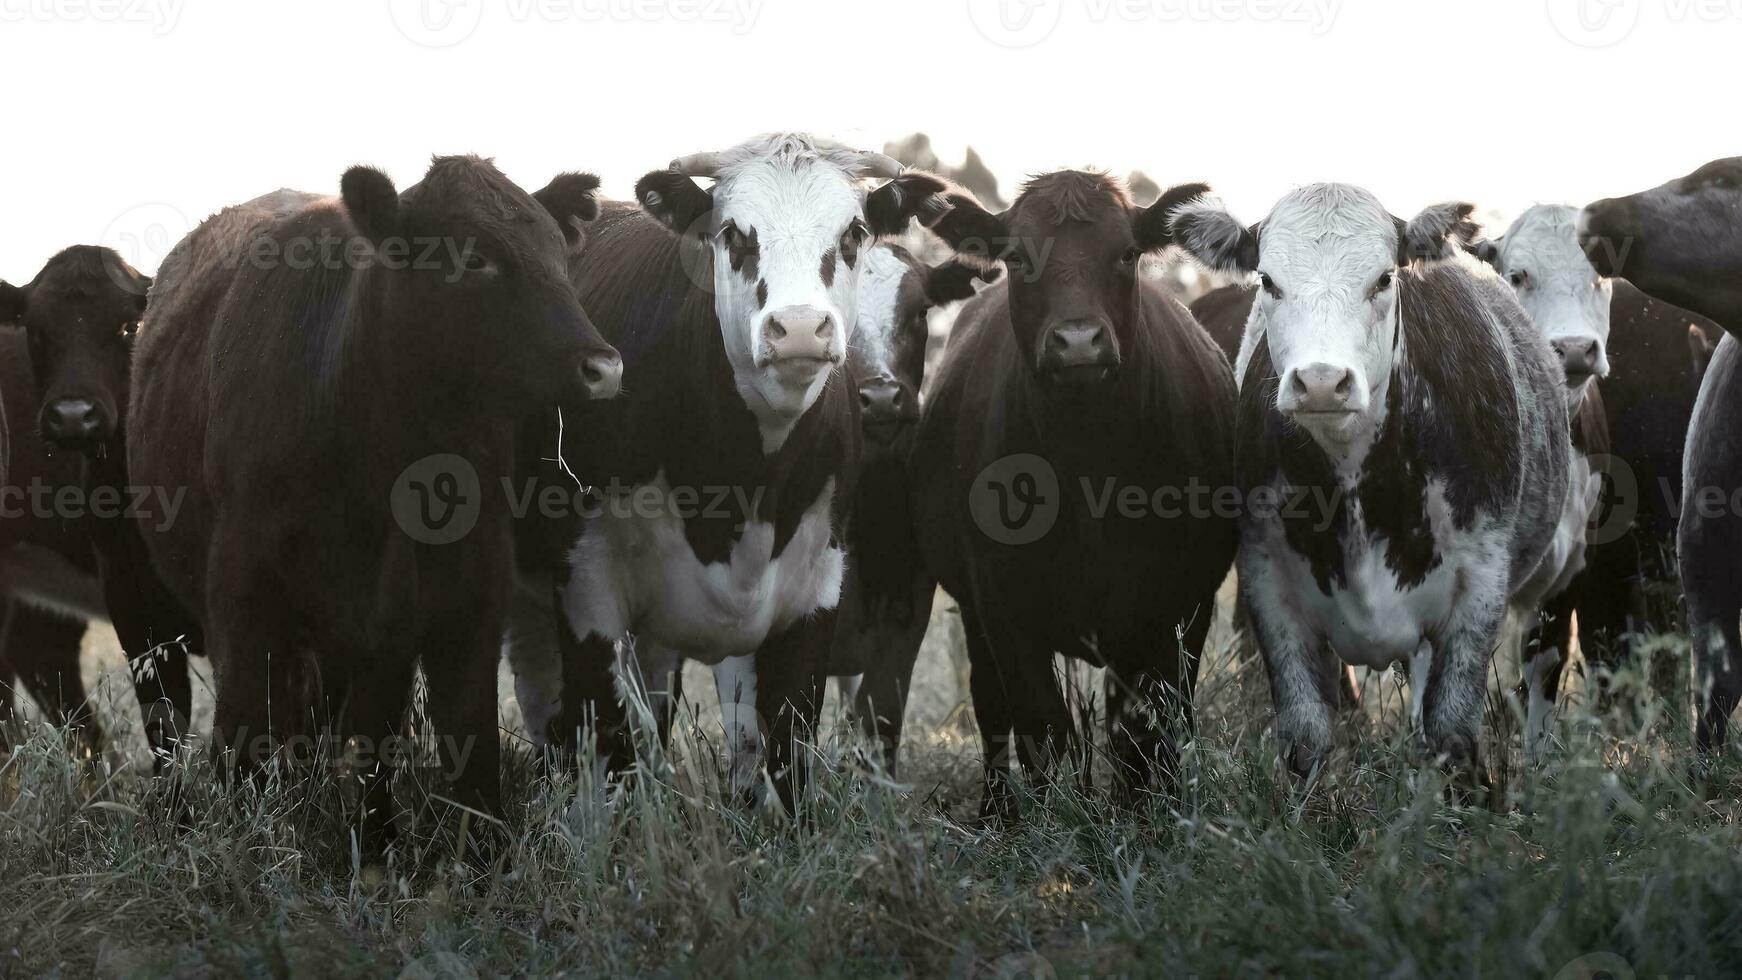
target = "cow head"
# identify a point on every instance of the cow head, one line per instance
(80, 314)
(1327, 259)
(887, 356)
(1072, 243)
(787, 221)
(1680, 242)
(1560, 289)
(476, 269)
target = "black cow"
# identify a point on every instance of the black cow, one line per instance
(338, 383)
(1681, 243)
(82, 313)
(1222, 312)
(886, 597)
(1402, 455)
(722, 479)
(1076, 409)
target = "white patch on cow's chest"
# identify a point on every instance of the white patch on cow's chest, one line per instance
(1371, 618)
(633, 571)
(1566, 553)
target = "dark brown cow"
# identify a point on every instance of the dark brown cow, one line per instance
(338, 383)
(81, 314)
(1077, 407)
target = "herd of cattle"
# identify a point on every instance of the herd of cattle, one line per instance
(1421, 430)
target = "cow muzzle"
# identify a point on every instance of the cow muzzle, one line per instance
(1320, 392)
(1078, 352)
(799, 343)
(1581, 358)
(885, 405)
(600, 375)
(75, 422)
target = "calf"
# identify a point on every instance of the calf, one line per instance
(1076, 409)
(1570, 304)
(723, 478)
(886, 595)
(1680, 243)
(1402, 453)
(82, 314)
(338, 382)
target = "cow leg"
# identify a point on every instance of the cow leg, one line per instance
(1292, 656)
(44, 650)
(735, 683)
(986, 686)
(1546, 649)
(653, 675)
(367, 730)
(1717, 642)
(880, 702)
(1457, 685)
(791, 675)
(1150, 680)
(462, 709)
(589, 698)
(154, 632)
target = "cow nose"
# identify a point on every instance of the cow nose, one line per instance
(1079, 344)
(1322, 388)
(882, 400)
(601, 375)
(800, 332)
(72, 419)
(1578, 358)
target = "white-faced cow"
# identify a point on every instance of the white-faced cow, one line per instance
(338, 382)
(1681, 242)
(1076, 409)
(886, 597)
(1402, 452)
(1539, 255)
(723, 477)
(81, 315)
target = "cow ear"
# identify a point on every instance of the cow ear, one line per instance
(13, 303)
(1487, 250)
(954, 280)
(676, 200)
(1150, 226)
(914, 194)
(973, 232)
(372, 202)
(571, 199)
(1205, 229)
(1436, 234)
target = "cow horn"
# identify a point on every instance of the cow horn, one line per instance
(880, 165)
(700, 164)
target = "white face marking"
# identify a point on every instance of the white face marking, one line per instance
(735, 682)
(880, 281)
(1566, 298)
(798, 197)
(633, 571)
(1330, 250)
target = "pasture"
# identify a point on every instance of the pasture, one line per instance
(1605, 859)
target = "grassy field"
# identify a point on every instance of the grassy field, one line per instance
(1603, 860)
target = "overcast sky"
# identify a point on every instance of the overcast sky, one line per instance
(129, 120)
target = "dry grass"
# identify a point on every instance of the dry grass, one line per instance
(1603, 857)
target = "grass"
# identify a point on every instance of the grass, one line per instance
(1602, 859)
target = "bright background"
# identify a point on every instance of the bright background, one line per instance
(126, 121)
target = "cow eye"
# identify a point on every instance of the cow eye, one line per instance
(1269, 287)
(1129, 259)
(851, 240)
(1518, 278)
(1381, 284)
(129, 329)
(475, 262)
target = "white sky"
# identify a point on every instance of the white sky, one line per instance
(128, 120)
